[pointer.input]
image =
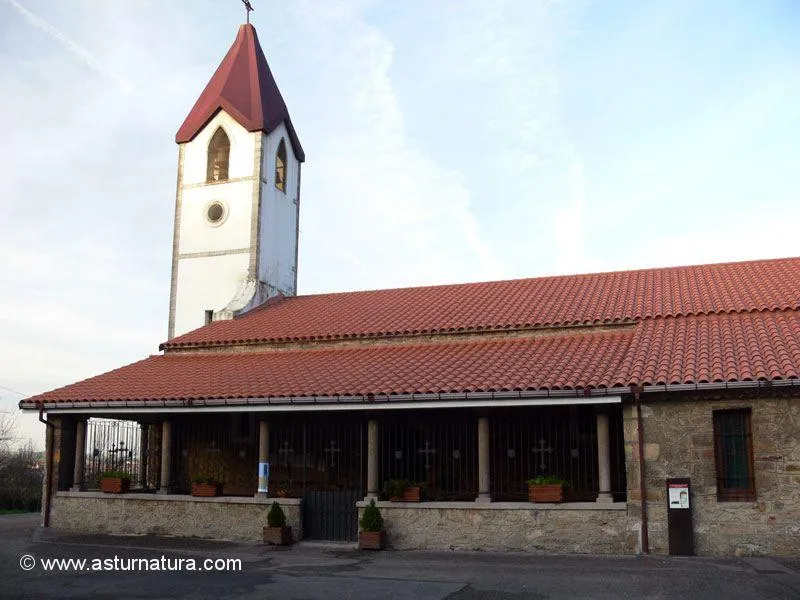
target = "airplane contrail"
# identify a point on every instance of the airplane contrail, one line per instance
(81, 53)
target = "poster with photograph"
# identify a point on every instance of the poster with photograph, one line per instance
(678, 496)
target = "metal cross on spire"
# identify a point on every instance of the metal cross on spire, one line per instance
(249, 8)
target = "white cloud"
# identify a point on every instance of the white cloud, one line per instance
(78, 51)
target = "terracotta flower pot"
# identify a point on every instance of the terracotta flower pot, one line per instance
(278, 536)
(115, 485)
(206, 490)
(412, 493)
(552, 493)
(372, 540)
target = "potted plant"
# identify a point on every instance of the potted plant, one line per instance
(205, 486)
(400, 490)
(115, 482)
(372, 536)
(278, 532)
(546, 488)
(393, 489)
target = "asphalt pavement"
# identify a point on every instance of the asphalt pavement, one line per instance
(34, 564)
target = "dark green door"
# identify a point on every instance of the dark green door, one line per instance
(331, 515)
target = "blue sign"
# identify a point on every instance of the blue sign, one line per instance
(263, 477)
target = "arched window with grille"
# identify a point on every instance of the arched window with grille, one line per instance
(280, 166)
(219, 151)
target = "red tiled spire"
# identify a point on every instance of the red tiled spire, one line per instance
(244, 87)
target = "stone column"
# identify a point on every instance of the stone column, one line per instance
(80, 456)
(263, 452)
(603, 459)
(484, 494)
(166, 456)
(143, 439)
(373, 486)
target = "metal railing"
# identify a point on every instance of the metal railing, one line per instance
(112, 445)
(435, 449)
(553, 441)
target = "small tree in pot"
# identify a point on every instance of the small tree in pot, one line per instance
(372, 535)
(278, 532)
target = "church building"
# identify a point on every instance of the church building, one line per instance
(663, 404)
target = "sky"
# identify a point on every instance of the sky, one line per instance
(447, 141)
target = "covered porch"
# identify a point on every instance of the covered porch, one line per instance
(471, 463)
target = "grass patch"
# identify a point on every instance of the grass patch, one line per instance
(15, 511)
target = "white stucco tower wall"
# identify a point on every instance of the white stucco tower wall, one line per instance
(250, 254)
(236, 230)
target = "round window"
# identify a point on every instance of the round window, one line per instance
(215, 213)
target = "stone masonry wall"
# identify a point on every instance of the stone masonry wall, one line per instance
(550, 529)
(212, 518)
(679, 442)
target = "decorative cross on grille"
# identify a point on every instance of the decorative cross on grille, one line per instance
(331, 451)
(427, 451)
(284, 451)
(542, 450)
(117, 450)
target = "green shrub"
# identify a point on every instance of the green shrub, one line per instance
(546, 480)
(394, 488)
(205, 478)
(371, 520)
(276, 516)
(115, 475)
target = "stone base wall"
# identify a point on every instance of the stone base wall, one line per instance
(679, 442)
(224, 518)
(584, 528)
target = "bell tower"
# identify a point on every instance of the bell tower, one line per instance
(238, 197)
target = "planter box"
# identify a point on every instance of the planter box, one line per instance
(115, 485)
(412, 493)
(553, 493)
(278, 536)
(372, 540)
(206, 490)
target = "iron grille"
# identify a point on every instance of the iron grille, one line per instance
(733, 450)
(222, 448)
(557, 441)
(112, 445)
(435, 449)
(316, 453)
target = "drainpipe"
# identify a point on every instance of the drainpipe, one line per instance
(48, 483)
(636, 390)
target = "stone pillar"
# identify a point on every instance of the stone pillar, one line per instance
(263, 452)
(143, 440)
(484, 493)
(603, 459)
(80, 456)
(153, 456)
(373, 485)
(166, 456)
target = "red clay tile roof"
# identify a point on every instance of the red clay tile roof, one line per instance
(559, 301)
(548, 361)
(244, 87)
(698, 349)
(691, 325)
(715, 348)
